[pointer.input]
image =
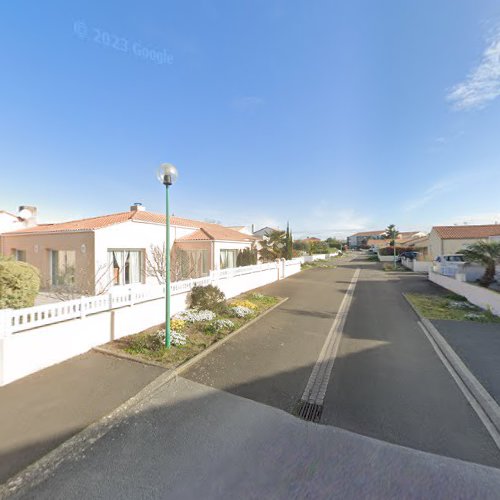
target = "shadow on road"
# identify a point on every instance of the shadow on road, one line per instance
(193, 441)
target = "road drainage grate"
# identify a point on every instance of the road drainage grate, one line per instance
(311, 412)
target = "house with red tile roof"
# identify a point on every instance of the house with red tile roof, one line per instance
(445, 240)
(371, 238)
(96, 253)
(360, 239)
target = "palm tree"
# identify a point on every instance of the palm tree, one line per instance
(486, 253)
(273, 246)
(391, 233)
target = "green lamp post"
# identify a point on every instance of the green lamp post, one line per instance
(167, 174)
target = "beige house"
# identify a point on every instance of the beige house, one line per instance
(444, 240)
(420, 244)
(119, 249)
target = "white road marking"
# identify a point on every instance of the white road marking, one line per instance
(320, 376)
(465, 391)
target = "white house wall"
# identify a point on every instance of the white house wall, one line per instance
(228, 245)
(133, 235)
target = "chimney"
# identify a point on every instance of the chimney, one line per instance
(29, 215)
(137, 207)
(253, 228)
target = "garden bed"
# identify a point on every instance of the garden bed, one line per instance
(193, 331)
(327, 263)
(450, 307)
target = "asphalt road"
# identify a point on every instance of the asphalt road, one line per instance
(225, 429)
(388, 383)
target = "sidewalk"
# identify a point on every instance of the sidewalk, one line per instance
(41, 411)
(478, 345)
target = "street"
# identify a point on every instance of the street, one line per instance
(393, 421)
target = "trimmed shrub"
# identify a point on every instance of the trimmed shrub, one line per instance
(246, 257)
(19, 284)
(390, 250)
(207, 297)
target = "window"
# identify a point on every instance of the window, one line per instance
(127, 266)
(19, 255)
(62, 267)
(228, 258)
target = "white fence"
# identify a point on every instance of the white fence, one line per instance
(40, 336)
(419, 266)
(314, 257)
(480, 296)
(463, 271)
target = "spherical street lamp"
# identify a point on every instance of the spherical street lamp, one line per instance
(167, 174)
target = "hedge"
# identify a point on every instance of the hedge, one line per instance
(19, 284)
(390, 250)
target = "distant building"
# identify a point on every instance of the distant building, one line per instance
(265, 231)
(311, 240)
(361, 239)
(371, 238)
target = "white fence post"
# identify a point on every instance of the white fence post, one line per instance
(82, 307)
(5, 322)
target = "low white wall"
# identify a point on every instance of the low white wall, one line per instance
(481, 297)
(316, 256)
(419, 266)
(386, 258)
(38, 337)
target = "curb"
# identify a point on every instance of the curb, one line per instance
(38, 471)
(487, 403)
(128, 357)
(222, 341)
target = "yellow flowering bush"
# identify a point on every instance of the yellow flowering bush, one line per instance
(243, 303)
(177, 324)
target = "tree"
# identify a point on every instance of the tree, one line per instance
(288, 254)
(182, 267)
(77, 282)
(486, 253)
(273, 246)
(301, 246)
(334, 243)
(391, 233)
(246, 257)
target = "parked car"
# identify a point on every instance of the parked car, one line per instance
(408, 255)
(449, 258)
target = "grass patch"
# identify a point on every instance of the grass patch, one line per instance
(450, 306)
(373, 258)
(327, 263)
(199, 335)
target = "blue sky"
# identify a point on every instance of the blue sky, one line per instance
(337, 116)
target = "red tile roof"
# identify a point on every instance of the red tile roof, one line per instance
(93, 223)
(467, 232)
(422, 241)
(216, 232)
(378, 243)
